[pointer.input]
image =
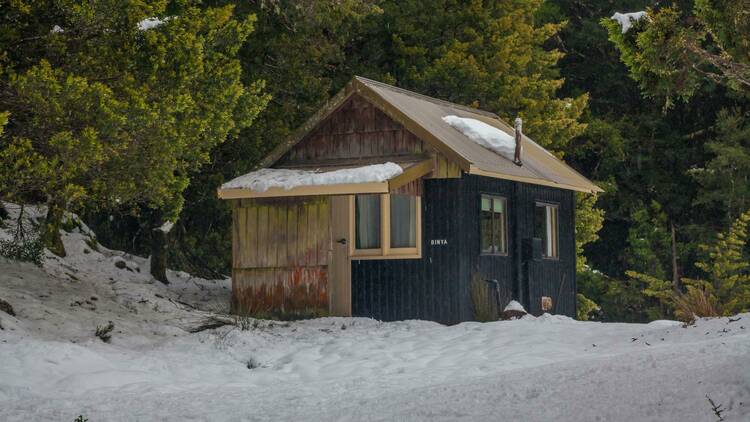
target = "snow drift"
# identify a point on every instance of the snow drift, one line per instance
(54, 368)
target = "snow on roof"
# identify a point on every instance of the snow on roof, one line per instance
(514, 306)
(264, 179)
(626, 20)
(485, 135)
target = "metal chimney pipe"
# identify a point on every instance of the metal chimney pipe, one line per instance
(519, 136)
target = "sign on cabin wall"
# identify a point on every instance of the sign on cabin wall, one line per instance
(438, 242)
(546, 303)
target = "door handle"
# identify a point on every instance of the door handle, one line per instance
(342, 241)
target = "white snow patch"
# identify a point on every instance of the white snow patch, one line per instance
(550, 367)
(485, 135)
(626, 20)
(150, 23)
(514, 306)
(166, 227)
(57, 29)
(264, 179)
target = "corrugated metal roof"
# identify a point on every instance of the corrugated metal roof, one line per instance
(423, 116)
(539, 165)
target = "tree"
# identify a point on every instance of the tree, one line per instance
(489, 55)
(300, 49)
(675, 50)
(725, 178)
(725, 287)
(121, 105)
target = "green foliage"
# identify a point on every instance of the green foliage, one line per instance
(589, 220)
(673, 52)
(649, 241)
(619, 300)
(725, 179)
(489, 55)
(585, 307)
(725, 290)
(727, 268)
(116, 116)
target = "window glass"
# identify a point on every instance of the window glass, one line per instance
(493, 222)
(498, 224)
(545, 228)
(485, 218)
(403, 221)
(367, 220)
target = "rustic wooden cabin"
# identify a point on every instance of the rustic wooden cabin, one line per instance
(387, 203)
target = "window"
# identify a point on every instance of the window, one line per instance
(386, 226)
(403, 221)
(545, 228)
(493, 225)
(367, 217)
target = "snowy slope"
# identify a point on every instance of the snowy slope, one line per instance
(52, 367)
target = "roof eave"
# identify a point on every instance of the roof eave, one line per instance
(587, 188)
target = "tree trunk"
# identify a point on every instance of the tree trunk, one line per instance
(159, 251)
(51, 230)
(675, 271)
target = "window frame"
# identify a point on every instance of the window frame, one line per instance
(505, 234)
(555, 244)
(385, 251)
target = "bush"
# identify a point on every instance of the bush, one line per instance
(104, 332)
(585, 307)
(27, 249)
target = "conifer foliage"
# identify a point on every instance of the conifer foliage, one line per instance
(114, 105)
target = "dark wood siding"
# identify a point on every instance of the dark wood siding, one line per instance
(433, 287)
(436, 287)
(554, 278)
(491, 267)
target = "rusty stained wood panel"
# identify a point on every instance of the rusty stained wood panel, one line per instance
(280, 255)
(357, 130)
(274, 291)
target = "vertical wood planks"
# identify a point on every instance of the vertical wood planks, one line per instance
(280, 255)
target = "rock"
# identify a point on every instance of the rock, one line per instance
(5, 307)
(121, 264)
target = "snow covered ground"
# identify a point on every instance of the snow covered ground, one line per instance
(53, 367)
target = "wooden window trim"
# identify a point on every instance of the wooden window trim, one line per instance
(385, 251)
(505, 217)
(555, 233)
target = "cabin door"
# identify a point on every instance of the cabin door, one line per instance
(340, 268)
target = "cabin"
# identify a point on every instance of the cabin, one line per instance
(387, 204)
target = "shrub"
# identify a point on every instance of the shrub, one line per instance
(27, 249)
(104, 332)
(585, 307)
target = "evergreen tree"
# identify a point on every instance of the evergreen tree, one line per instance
(676, 49)
(489, 55)
(122, 106)
(725, 178)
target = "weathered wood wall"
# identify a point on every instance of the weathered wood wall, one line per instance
(359, 133)
(280, 256)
